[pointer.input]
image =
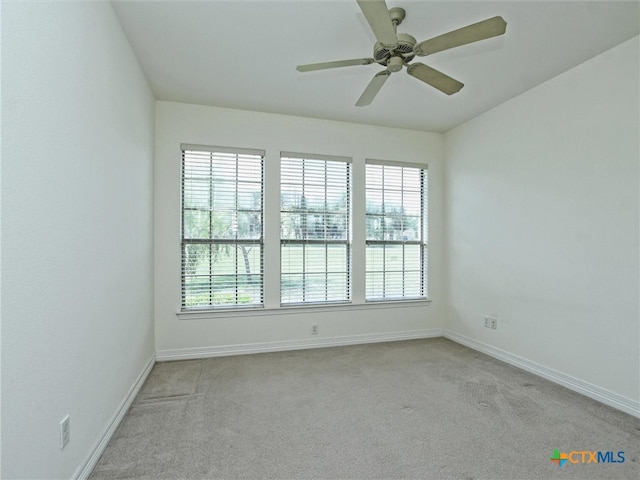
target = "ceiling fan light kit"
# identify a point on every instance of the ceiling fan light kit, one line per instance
(395, 50)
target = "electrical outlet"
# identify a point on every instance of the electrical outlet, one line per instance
(314, 329)
(65, 432)
(487, 321)
(494, 323)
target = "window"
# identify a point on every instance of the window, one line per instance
(222, 215)
(315, 229)
(225, 254)
(396, 219)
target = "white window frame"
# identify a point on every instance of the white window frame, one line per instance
(271, 245)
(234, 242)
(412, 291)
(327, 242)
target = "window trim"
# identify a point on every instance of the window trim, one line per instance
(214, 149)
(184, 147)
(347, 242)
(271, 242)
(298, 308)
(422, 242)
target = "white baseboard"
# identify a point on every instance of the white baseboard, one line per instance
(614, 400)
(242, 349)
(86, 468)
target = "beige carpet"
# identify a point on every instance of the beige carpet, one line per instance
(424, 409)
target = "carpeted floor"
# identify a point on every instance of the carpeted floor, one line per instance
(424, 409)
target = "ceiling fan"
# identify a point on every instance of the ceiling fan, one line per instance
(396, 50)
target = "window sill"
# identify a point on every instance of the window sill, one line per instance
(298, 309)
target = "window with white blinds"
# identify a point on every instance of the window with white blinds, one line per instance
(222, 227)
(315, 254)
(396, 232)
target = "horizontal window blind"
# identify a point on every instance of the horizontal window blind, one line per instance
(396, 234)
(222, 227)
(315, 229)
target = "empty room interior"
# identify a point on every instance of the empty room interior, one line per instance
(320, 239)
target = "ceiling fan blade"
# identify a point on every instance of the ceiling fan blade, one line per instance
(377, 15)
(373, 88)
(491, 27)
(433, 77)
(339, 63)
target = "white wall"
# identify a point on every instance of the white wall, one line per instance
(542, 229)
(181, 123)
(77, 271)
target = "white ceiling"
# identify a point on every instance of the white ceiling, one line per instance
(243, 54)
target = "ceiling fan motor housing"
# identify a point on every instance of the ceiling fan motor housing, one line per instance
(405, 45)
